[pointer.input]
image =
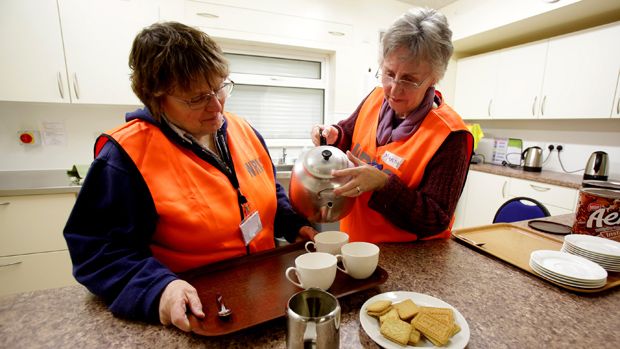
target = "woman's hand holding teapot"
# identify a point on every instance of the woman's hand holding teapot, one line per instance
(329, 132)
(364, 178)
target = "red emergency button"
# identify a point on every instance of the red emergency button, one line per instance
(26, 138)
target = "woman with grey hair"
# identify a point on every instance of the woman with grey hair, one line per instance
(410, 149)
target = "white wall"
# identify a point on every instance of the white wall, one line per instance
(82, 124)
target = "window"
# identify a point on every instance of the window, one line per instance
(281, 97)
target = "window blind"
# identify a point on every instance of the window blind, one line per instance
(278, 112)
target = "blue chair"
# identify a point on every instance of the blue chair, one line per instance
(520, 209)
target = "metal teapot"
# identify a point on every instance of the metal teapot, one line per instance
(312, 186)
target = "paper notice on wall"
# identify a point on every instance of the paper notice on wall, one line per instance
(507, 150)
(54, 133)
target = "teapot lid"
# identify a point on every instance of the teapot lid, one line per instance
(320, 161)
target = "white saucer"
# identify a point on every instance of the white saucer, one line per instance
(605, 247)
(370, 324)
(569, 266)
(555, 278)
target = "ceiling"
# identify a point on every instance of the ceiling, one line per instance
(436, 4)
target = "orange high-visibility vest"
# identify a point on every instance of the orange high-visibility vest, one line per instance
(413, 154)
(196, 203)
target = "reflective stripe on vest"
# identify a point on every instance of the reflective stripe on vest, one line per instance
(413, 154)
(196, 203)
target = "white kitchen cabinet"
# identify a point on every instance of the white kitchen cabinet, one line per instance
(615, 112)
(572, 76)
(484, 193)
(253, 23)
(35, 271)
(32, 62)
(581, 74)
(519, 82)
(71, 51)
(33, 252)
(476, 81)
(558, 200)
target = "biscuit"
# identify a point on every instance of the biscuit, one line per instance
(455, 329)
(432, 328)
(378, 314)
(414, 336)
(392, 314)
(396, 330)
(445, 315)
(407, 309)
(378, 307)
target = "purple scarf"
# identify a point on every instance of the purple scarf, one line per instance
(393, 129)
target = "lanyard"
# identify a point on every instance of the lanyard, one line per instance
(222, 147)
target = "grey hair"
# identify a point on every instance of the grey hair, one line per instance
(425, 33)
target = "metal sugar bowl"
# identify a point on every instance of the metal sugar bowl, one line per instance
(312, 185)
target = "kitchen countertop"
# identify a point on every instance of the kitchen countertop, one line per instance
(548, 177)
(504, 306)
(33, 182)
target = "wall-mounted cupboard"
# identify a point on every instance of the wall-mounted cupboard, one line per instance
(572, 76)
(70, 51)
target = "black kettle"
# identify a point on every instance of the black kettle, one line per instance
(532, 159)
(597, 167)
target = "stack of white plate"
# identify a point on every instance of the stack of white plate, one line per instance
(567, 269)
(602, 251)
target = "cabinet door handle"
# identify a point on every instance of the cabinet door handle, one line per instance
(60, 88)
(489, 107)
(539, 188)
(207, 15)
(76, 87)
(542, 106)
(534, 106)
(10, 264)
(504, 189)
(618, 106)
(5, 203)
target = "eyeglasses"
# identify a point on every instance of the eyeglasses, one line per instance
(407, 85)
(199, 102)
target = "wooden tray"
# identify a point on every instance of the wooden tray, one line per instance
(514, 244)
(255, 288)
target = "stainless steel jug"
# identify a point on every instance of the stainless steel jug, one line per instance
(532, 159)
(597, 167)
(312, 186)
(313, 320)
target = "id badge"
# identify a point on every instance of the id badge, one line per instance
(250, 226)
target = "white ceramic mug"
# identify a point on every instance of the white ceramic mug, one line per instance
(328, 241)
(316, 269)
(359, 259)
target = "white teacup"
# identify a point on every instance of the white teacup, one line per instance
(328, 241)
(316, 269)
(359, 259)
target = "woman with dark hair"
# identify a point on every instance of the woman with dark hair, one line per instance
(180, 185)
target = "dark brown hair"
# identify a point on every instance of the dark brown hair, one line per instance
(173, 56)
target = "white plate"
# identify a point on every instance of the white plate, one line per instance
(609, 265)
(568, 265)
(555, 278)
(596, 244)
(370, 324)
